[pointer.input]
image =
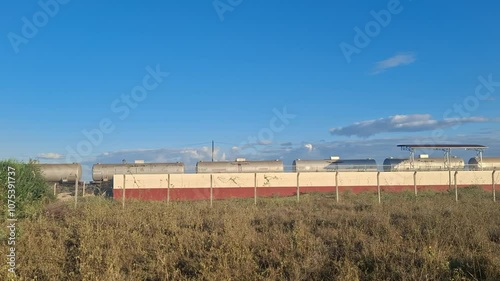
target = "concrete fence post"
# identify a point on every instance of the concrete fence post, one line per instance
(456, 186)
(83, 189)
(255, 188)
(378, 188)
(55, 189)
(76, 187)
(168, 189)
(337, 185)
(123, 191)
(211, 190)
(298, 187)
(493, 185)
(415, 183)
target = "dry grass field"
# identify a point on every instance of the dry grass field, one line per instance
(429, 238)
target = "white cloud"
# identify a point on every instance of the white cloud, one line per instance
(50, 155)
(394, 61)
(403, 123)
(309, 146)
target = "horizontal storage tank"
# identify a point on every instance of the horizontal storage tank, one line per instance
(61, 172)
(488, 163)
(105, 172)
(335, 164)
(239, 166)
(422, 164)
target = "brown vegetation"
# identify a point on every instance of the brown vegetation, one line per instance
(429, 238)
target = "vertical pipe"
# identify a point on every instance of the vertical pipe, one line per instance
(337, 185)
(211, 190)
(255, 188)
(55, 189)
(448, 152)
(298, 187)
(412, 158)
(83, 193)
(415, 182)
(378, 187)
(213, 149)
(456, 186)
(123, 191)
(168, 189)
(481, 158)
(493, 186)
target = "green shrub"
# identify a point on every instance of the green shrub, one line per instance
(31, 190)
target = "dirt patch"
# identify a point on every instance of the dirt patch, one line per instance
(65, 196)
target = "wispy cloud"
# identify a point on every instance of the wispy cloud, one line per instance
(394, 61)
(50, 155)
(309, 146)
(403, 123)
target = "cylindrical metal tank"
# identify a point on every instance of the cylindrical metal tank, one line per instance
(239, 166)
(61, 172)
(488, 163)
(105, 172)
(422, 164)
(331, 165)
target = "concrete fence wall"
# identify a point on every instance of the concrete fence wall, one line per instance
(228, 185)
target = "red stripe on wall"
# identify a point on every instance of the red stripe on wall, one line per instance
(160, 194)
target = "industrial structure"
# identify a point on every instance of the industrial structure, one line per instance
(61, 173)
(334, 164)
(243, 178)
(105, 172)
(240, 165)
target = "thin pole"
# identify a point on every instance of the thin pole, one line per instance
(415, 182)
(55, 189)
(337, 185)
(76, 187)
(298, 187)
(456, 186)
(83, 195)
(448, 152)
(378, 187)
(493, 186)
(255, 188)
(211, 190)
(168, 189)
(481, 158)
(123, 191)
(213, 149)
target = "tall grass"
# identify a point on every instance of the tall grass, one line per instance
(429, 238)
(31, 190)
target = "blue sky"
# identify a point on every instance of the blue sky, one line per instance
(232, 65)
